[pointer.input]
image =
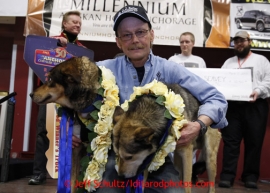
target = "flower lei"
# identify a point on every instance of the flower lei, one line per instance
(100, 138)
(174, 108)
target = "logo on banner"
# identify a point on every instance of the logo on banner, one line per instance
(239, 11)
(51, 57)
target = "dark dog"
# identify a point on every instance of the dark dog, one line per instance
(73, 84)
(138, 131)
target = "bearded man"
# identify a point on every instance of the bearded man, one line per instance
(247, 120)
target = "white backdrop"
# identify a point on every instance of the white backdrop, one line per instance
(169, 18)
(13, 7)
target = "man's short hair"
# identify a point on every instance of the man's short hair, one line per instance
(192, 37)
(65, 16)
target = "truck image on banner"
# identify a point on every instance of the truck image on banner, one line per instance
(253, 17)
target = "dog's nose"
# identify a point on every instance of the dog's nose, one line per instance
(31, 95)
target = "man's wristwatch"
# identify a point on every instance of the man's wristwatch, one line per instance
(203, 127)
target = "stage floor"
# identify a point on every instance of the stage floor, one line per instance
(21, 186)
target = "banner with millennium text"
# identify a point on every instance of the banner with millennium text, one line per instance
(169, 18)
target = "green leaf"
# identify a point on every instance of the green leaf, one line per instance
(80, 190)
(160, 100)
(94, 115)
(91, 136)
(89, 150)
(60, 111)
(91, 126)
(80, 178)
(100, 79)
(85, 161)
(167, 114)
(98, 104)
(101, 91)
(138, 96)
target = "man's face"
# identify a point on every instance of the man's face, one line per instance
(241, 47)
(136, 47)
(186, 45)
(73, 24)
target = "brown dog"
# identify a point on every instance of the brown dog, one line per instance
(137, 133)
(73, 84)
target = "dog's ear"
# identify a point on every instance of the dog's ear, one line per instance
(73, 78)
(117, 114)
(144, 134)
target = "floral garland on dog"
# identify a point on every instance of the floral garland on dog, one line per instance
(103, 126)
(174, 108)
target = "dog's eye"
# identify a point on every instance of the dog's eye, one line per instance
(128, 157)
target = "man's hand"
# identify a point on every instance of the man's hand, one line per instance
(62, 40)
(188, 133)
(254, 96)
(75, 141)
(192, 130)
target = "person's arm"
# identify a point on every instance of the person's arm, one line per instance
(262, 90)
(75, 141)
(213, 107)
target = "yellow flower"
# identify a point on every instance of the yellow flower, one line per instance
(101, 154)
(111, 104)
(124, 106)
(137, 91)
(159, 89)
(176, 127)
(157, 161)
(101, 128)
(169, 145)
(174, 103)
(148, 86)
(114, 100)
(92, 182)
(107, 74)
(105, 110)
(101, 140)
(93, 167)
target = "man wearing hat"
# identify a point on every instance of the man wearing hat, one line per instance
(247, 120)
(139, 66)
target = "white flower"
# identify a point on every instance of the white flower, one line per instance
(175, 104)
(101, 154)
(159, 89)
(124, 106)
(176, 127)
(107, 74)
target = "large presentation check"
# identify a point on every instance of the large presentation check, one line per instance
(234, 84)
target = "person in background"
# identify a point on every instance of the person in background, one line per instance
(139, 66)
(71, 27)
(187, 41)
(247, 120)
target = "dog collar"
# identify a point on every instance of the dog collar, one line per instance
(92, 106)
(149, 158)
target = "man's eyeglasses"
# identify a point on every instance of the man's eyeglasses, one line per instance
(138, 34)
(239, 41)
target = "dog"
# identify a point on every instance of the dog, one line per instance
(74, 85)
(137, 133)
